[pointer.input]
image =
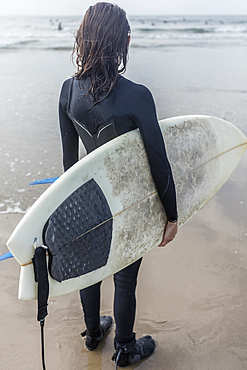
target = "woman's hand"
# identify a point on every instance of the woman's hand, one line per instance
(170, 232)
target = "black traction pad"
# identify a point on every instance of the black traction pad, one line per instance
(78, 234)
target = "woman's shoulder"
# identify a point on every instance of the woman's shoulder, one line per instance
(65, 86)
(64, 94)
(131, 84)
(134, 88)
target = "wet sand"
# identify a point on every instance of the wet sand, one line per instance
(191, 298)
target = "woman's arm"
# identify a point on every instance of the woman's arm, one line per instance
(159, 163)
(156, 152)
(69, 136)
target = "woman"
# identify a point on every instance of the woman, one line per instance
(97, 105)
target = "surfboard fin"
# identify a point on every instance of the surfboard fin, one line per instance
(49, 180)
(5, 256)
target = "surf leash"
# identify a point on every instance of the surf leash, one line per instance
(41, 277)
(49, 180)
(5, 256)
(118, 355)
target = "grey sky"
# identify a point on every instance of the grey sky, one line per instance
(162, 7)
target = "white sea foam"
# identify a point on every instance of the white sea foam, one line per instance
(12, 208)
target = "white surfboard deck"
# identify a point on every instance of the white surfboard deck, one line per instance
(203, 152)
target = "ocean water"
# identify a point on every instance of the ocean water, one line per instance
(192, 65)
(147, 31)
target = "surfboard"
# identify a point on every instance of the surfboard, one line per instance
(104, 212)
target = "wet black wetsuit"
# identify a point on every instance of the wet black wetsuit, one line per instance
(128, 106)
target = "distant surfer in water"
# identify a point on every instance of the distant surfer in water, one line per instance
(97, 105)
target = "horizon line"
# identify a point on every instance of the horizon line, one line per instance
(129, 15)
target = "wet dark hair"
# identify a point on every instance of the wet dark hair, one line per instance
(101, 48)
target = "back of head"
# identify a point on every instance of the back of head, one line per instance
(101, 47)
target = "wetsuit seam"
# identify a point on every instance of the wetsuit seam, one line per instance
(82, 126)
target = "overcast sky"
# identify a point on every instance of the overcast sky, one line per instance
(132, 7)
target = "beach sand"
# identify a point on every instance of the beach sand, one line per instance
(191, 296)
(191, 299)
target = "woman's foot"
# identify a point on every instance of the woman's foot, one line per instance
(93, 338)
(128, 353)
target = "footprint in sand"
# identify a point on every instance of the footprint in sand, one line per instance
(163, 325)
